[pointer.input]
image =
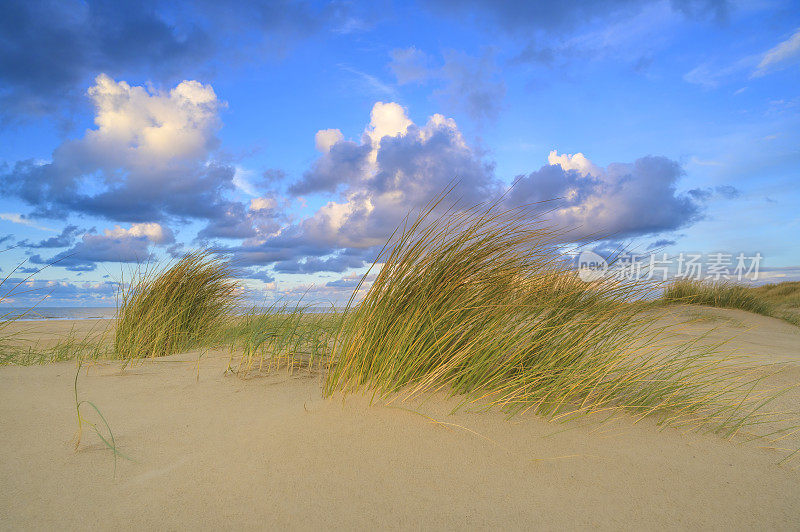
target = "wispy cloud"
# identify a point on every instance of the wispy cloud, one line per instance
(17, 218)
(371, 82)
(710, 74)
(780, 56)
(242, 180)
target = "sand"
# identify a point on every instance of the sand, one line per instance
(220, 452)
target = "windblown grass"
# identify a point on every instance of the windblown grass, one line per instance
(784, 299)
(479, 303)
(71, 347)
(280, 336)
(183, 306)
(11, 351)
(715, 294)
(781, 300)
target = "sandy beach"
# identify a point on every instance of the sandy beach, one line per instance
(214, 451)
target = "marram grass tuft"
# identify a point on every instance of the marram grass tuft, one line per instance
(168, 312)
(715, 294)
(481, 304)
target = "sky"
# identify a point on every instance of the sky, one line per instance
(294, 137)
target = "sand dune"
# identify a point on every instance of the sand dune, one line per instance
(220, 452)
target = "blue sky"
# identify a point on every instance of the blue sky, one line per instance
(294, 136)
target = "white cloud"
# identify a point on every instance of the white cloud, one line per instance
(577, 162)
(325, 138)
(386, 120)
(152, 128)
(154, 232)
(784, 54)
(262, 204)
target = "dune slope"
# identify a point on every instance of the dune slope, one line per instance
(226, 453)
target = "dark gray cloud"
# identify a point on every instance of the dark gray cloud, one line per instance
(727, 192)
(64, 239)
(255, 273)
(113, 245)
(50, 49)
(661, 243)
(239, 222)
(701, 194)
(345, 163)
(191, 190)
(624, 200)
(233, 222)
(339, 262)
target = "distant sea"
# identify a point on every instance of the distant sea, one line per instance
(56, 313)
(88, 313)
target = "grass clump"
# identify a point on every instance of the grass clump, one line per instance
(780, 300)
(167, 312)
(715, 294)
(279, 336)
(68, 348)
(784, 299)
(480, 303)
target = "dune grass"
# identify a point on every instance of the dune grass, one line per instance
(11, 349)
(165, 312)
(279, 336)
(480, 304)
(784, 299)
(715, 294)
(780, 300)
(71, 347)
(477, 303)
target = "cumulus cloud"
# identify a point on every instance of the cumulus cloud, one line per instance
(149, 158)
(118, 244)
(325, 138)
(345, 161)
(621, 200)
(398, 166)
(155, 233)
(577, 162)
